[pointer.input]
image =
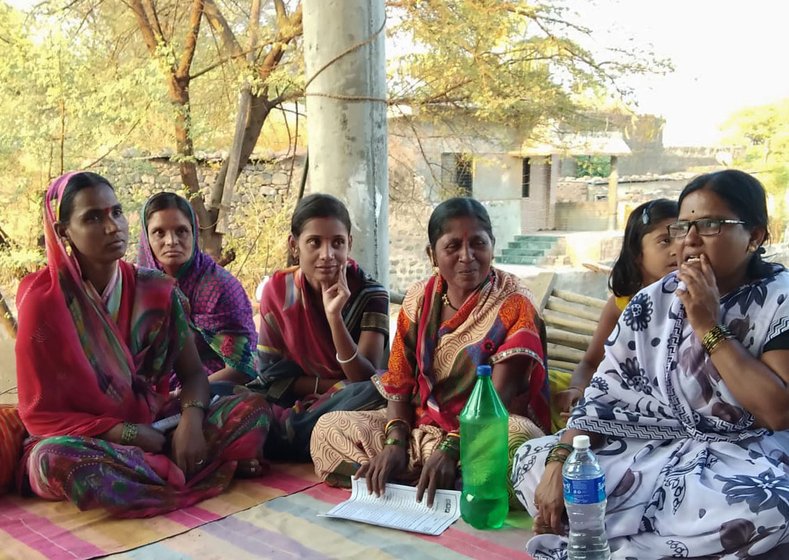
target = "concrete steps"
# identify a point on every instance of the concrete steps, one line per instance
(536, 250)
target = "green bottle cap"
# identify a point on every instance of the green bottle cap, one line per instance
(483, 371)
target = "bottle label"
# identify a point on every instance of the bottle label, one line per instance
(589, 491)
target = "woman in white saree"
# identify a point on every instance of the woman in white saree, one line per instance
(688, 409)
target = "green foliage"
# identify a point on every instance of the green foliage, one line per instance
(517, 63)
(79, 85)
(262, 247)
(16, 263)
(593, 166)
(763, 135)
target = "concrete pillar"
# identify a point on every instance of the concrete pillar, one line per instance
(553, 187)
(346, 119)
(613, 186)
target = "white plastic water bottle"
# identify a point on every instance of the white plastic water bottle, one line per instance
(584, 499)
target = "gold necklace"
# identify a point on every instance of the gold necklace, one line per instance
(445, 299)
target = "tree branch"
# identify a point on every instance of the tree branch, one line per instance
(282, 14)
(218, 23)
(153, 19)
(230, 57)
(148, 34)
(195, 17)
(284, 36)
(533, 15)
(115, 147)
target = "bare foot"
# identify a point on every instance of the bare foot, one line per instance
(251, 468)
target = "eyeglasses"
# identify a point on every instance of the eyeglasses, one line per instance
(705, 226)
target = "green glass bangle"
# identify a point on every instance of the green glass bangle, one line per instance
(394, 441)
(128, 433)
(451, 449)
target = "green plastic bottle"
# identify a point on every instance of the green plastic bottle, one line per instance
(483, 455)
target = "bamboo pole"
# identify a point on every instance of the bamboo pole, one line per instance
(579, 298)
(569, 323)
(574, 340)
(558, 352)
(561, 364)
(556, 304)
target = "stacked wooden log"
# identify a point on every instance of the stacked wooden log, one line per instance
(570, 320)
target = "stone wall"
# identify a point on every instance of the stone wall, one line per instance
(408, 261)
(572, 191)
(260, 211)
(136, 179)
(263, 187)
(583, 202)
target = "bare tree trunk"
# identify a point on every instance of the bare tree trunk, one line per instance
(244, 101)
(178, 81)
(7, 318)
(259, 110)
(210, 242)
(260, 105)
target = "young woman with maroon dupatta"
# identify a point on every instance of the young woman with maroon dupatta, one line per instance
(323, 329)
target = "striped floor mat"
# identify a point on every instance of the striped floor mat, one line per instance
(290, 528)
(35, 529)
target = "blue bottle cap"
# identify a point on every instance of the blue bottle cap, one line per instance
(483, 371)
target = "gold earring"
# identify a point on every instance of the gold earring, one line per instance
(435, 271)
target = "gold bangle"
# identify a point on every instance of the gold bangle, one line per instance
(393, 422)
(194, 403)
(712, 339)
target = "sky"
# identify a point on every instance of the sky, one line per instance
(727, 55)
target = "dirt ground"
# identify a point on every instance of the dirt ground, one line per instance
(7, 372)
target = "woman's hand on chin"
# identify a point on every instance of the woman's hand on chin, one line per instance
(336, 295)
(188, 444)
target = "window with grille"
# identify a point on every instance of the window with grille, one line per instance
(464, 174)
(526, 178)
(457, 172)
